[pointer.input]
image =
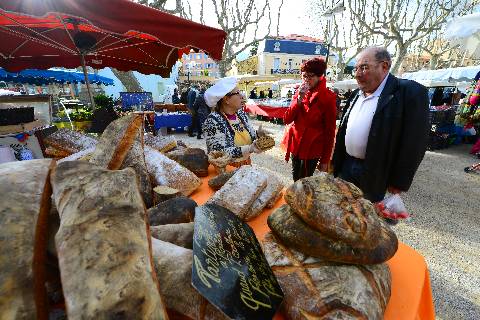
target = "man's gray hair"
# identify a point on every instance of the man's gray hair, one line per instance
(381, 54)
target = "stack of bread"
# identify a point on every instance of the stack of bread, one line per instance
(327, 248)
(101, 264)
(248, 192)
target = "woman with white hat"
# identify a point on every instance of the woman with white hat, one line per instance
(227, 128)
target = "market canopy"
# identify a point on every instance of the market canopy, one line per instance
(34, 76)
(349, 84)
(105, 33)
(465, 32)
(451, 74)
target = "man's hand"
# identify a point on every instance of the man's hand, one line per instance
(323, 167)
(393, 190)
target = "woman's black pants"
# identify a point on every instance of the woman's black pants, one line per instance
(303, 168)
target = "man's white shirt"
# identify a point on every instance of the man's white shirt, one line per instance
(360, 121)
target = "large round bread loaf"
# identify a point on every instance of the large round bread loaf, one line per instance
(295, 233)
(336, 208)
(318, 289)
(104, 244)
(25, 204)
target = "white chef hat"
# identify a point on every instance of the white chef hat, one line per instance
(219, 90)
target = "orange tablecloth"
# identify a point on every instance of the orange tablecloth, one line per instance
(411, 293)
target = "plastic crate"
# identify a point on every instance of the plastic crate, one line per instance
(442, 117)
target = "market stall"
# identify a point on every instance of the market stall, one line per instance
(173, 120)
(271, 108)
(23, 118)
(411, 296)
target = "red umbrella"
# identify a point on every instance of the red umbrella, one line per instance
(122, 34)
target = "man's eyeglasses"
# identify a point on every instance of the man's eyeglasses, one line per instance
(365, 67)
(230, 94)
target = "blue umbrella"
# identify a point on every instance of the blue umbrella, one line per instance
(34, 76)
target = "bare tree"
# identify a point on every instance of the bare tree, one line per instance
(404, 22)
(344, 39)
(245, 22)
(128, 80)
(182, 7)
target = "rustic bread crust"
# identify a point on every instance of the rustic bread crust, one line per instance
(336, 208)
(319, 289)
(295, 233)
(103, 244)
(25, 196)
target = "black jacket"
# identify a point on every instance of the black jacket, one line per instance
(397, 140)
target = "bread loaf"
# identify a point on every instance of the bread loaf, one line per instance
(167, 172)
(318, 289)
(180, 234)
(269, 195)
(69, 141)
(160, 143)
(25, 204)
(176, 210)
(218, 181)
(116, 141)
(103, 244)
(174, 267)
(265, 143)
(121, 146)
(194, 159)
(295, 233)
(81, 155)
(240, 191)
(336, 208)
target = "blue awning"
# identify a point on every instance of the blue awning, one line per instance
(39, 77)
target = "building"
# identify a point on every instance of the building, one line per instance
(198, 67)
(282, 56)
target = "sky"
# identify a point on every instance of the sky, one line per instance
(291, 18)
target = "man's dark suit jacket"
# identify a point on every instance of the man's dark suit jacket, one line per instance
(397, 140)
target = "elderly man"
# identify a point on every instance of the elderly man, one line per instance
(384, 129)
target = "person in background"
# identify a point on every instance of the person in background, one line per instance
(183, 96)
(175, 98)
(270, 93)
(192, 94)
(289, 94)
(253, 94)
(338, 102)
(202, 111)
(262, 95)
(384, 129)
(312, 113)
(227, 128)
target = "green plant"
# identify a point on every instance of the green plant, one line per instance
(81, 115)
(104, 101)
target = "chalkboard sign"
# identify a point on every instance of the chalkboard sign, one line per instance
(229, 268)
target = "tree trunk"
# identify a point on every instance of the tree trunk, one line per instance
(401, 53)
(434, 61)
(340, 69)
(128, 80)
(222, 68)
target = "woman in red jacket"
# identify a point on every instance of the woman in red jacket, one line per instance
(313, 112)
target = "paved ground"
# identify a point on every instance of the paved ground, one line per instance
(445, 227)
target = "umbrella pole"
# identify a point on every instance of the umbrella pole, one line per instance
(85, 74)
